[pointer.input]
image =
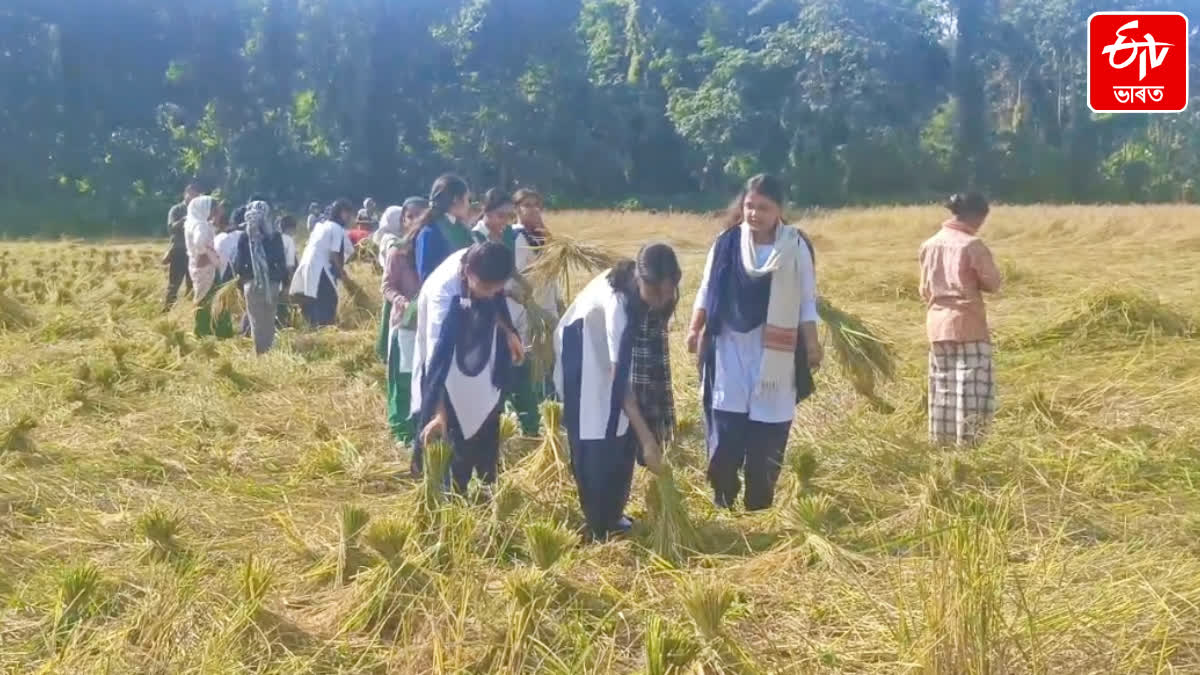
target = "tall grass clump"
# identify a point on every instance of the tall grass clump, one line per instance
(78, 596)
(547, 544)
(352, 520)
(707, 602)
(159, 530)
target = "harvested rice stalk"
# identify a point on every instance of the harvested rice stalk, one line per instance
(510, 427)
(549, 463)
(541, 329)
(17, 438)
(14, 315)
(862, 355)
(433, 482)
(228, 300)
(1113, 315)
(560, 255)
(674, 537)
(358, 307)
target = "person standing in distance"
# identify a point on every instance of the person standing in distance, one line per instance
(176, 257)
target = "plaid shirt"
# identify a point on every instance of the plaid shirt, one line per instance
(650, 374)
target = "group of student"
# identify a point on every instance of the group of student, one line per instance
(455, 335)
(210, 247)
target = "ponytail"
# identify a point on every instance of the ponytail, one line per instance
(446, 190)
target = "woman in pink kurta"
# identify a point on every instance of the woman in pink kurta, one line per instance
(956, 270)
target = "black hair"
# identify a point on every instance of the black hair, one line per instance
(287, 223)
(490, 261)
(196, 187)
(968, 205)
(257, 198)
(239, 216)
(655, 264)
(446, 190)
(763, 184)
(336, 209)
(494, 199)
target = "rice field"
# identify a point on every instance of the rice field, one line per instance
(169, 505)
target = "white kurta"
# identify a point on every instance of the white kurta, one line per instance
(739, 355)
(326, 239)
(473, 397)
(199, 239)
(605, 318)
(289, 251)
(226, 244)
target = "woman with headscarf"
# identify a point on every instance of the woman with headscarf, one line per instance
(394, 226)
(321, 265)
(398, 328)
(261, 267)
(203, 259)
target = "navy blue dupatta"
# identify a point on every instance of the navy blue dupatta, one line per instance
(736, 301)
(466, 336)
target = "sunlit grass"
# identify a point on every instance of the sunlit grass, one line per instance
(173, 504)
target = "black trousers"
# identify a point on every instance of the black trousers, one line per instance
(756, 449)
(478, 455)
(177, 275)
(603, 472)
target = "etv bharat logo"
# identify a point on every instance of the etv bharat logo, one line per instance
(1137, 62)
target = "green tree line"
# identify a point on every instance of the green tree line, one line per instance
(108, 106)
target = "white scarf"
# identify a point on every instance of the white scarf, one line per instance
(778, 369)
(391, 228)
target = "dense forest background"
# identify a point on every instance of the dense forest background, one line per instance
(108, 106)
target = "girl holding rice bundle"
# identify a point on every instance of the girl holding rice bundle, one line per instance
(754, 323)
(322, 265)
(611, 358)
(398, 326)
(956, 270)
(464, 348)
(261, 266)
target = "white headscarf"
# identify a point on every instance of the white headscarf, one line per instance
(391, 228)
(199, 238)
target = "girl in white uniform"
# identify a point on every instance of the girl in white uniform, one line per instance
(321, 265)
(756, 314)
(596, 373)
(464, 351)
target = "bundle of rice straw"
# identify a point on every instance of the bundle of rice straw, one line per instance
(674, 536)
(541, 328)
(14, 315)
(560, 255)
(863, 356)
(1112, 316)
(433, 482)
(228, 300)
(358, 307)
(550, 462)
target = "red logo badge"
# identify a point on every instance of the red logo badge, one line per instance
(1137, 62)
